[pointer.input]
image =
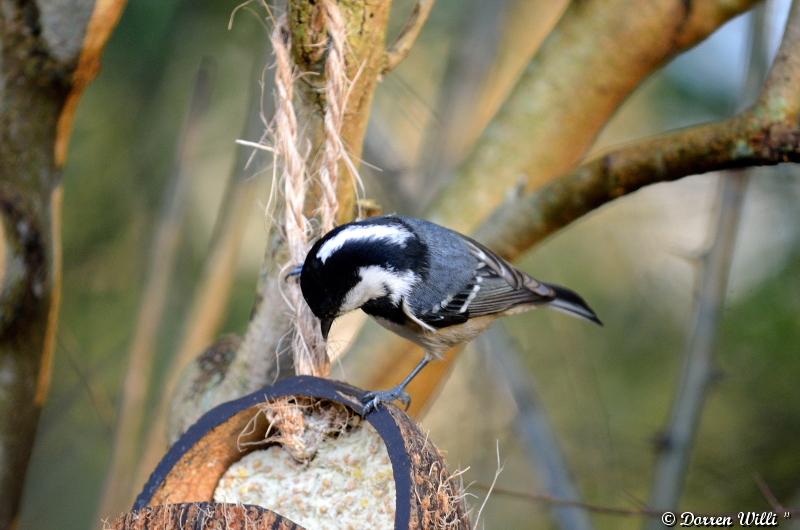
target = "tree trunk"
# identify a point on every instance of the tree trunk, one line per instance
(48, 54)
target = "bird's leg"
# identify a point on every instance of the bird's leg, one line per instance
(371, 400)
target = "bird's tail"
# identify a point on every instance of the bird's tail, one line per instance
(571, 302)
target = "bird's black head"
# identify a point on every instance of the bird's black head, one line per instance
(378, 258)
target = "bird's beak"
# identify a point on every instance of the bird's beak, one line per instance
(325, 326)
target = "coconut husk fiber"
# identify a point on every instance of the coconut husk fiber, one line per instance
(304, 417)
(202, 516)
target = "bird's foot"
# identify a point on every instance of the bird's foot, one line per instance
(371, 400)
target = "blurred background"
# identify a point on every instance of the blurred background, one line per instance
(606, 391)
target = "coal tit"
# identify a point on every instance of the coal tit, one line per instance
(427, 283)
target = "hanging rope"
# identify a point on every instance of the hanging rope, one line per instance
(295, 175)
(337, 87)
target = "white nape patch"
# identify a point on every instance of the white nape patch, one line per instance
(376, 282)
(392, 233)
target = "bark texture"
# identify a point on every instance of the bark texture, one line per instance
(49, 52)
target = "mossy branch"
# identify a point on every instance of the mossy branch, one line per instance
(495, 43)
(598, 53)
(768, 133)
(366, 22)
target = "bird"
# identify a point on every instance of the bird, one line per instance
(429, 284)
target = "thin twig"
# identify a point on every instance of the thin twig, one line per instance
(676, 443)
(401, 47)
(491, 487)
(589, 507)
(60, 408)
(768, 494)
(98, 399)
(543, 498)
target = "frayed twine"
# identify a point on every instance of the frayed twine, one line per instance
(337, 88)
(299, 425)
(293, 173)
(308, 347)
(220, 516)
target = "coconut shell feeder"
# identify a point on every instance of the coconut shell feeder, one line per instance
(297, 455)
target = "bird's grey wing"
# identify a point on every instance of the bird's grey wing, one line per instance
(503, 269)
(494, 287)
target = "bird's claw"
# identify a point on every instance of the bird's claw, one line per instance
(371, 400)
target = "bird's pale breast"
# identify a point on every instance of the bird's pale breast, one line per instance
(439, 341)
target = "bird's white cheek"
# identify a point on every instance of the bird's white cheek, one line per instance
(377, 282)
(359, 295)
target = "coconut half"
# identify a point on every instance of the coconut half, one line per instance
(301, 451)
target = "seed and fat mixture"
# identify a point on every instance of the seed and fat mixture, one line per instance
(348, 483)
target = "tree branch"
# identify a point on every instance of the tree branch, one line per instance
(766, 134)
(262, 355)
(675, 443)
(366, 23)
(495, 42)
(401, 47)
(737, 142)
(598, 53)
